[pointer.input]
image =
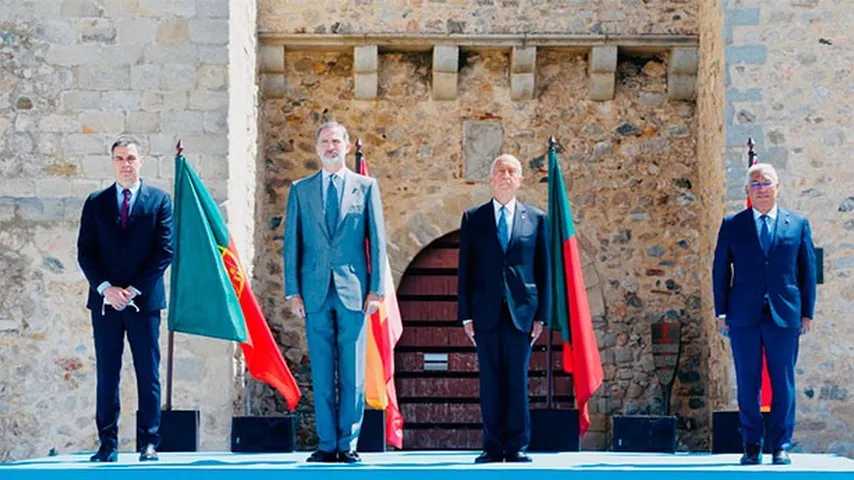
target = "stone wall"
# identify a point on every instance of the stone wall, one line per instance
(788, 85)
(626, 17)
(73, 75)
(631, 165)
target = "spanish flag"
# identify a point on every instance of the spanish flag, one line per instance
(384, 330)
(210, 292)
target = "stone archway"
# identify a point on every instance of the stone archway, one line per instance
(436, 367)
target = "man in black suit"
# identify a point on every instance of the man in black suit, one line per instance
(503, 305)
(123, 248)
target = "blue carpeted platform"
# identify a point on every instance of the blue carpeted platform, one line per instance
(429, 465)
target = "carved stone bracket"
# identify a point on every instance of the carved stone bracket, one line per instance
(446, 59)
(271, 59)
(365, 67)
(522, 67)
(682, 73)
(603, 72)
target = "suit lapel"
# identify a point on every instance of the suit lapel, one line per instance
(749, 223)
(781, 225)
(314, 186)
(138, 203)
(348, 184)
(520, 216)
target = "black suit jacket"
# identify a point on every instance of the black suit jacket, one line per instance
(487, 274)
(137, 255)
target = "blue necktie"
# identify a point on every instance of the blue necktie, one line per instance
(331, 206)
(503, 231)
(765, 234)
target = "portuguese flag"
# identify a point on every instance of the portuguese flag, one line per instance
(384, 330)
(210, 294)
(570, 310)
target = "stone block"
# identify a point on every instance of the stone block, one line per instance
(365, 86)
(365, 59)
(59, 123)
(17, 187)
(523, 60)
(602, 86)
(482, 141)
(86, 143)
(145, 76)
(681, 87)
(212, 77)
(136, 31)
(215, 122)
(143, 122)
(53, 187)
(166, 8)
(747, 54)
(75, 100)
(128, 100)
(186, 54)
(81, 8)
(208, 100)
(181, 122)
(271, 58)
(212, 55)
(102, 122)
(210, 32)
(522, 86)
(73, 54)
(178, 76)
(103, 77)
(446, 59)
(174, 31)
(272, 85)
(212, 8)
(97, 30)
(603, 59)
(444, 86)
(683, 61)
(207, 143)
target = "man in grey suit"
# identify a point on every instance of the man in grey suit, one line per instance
(333, 284)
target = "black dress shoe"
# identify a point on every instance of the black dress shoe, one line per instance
(752, 454)
(349, 457)
(148, 454)
(487, 457)
(105, 454)
(321, 456)
(517, 457)
(781, 457)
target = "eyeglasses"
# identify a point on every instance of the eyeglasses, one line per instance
(760, 185)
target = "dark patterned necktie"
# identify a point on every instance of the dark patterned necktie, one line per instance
(765, 234)
(123, 212)
(331, 205)
(503, 231)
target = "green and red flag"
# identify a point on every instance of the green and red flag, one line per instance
(570, 311)
(384, 330)
(210, 292)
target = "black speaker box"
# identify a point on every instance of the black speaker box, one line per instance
(179, 431)
(264, 434)
(726, 432)
(372, 435)
(554, 430)
(644, 433)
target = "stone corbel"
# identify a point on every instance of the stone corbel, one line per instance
(272, 65)
(522, 66)
(682, 73)
(365, 68)
(603, 71)
(446, 60)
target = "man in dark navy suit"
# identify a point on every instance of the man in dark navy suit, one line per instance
(503, 303)
(764, 278)
(123, 248)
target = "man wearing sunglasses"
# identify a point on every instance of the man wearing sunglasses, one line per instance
(764, 277)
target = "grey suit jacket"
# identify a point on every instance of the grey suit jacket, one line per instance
(313, 255)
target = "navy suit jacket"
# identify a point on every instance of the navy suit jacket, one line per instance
(743, 273)
(137, 255)
(487, 274)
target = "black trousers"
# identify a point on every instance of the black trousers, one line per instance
(143, 334)
(503, 356)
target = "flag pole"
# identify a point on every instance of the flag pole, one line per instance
(359, 155)
(179, 150)
(549, 375)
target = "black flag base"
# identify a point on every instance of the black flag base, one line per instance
(264, 434)
(179, 431)
(372, 436)
(644, 433)
(726, 432)
(554, 430)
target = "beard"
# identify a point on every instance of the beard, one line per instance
(332, 160)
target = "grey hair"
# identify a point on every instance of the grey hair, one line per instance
(766, 169)
(505, 158)
(331, 125)
(124, 141)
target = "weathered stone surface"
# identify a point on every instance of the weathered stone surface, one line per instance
(482, 142)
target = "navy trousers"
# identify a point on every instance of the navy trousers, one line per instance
(143, 334)
(781, 347)
(503, 356)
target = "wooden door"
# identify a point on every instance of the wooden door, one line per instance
(440, 401)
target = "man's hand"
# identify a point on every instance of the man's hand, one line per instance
(117, 297)
(468, 327)
(723, 327)
(296, 306)
(806, 325)
(372, 303)
(536, 332)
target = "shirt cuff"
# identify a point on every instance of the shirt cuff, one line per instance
(103, 286)
(722, 317)
(467, 321)
(135, 292)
